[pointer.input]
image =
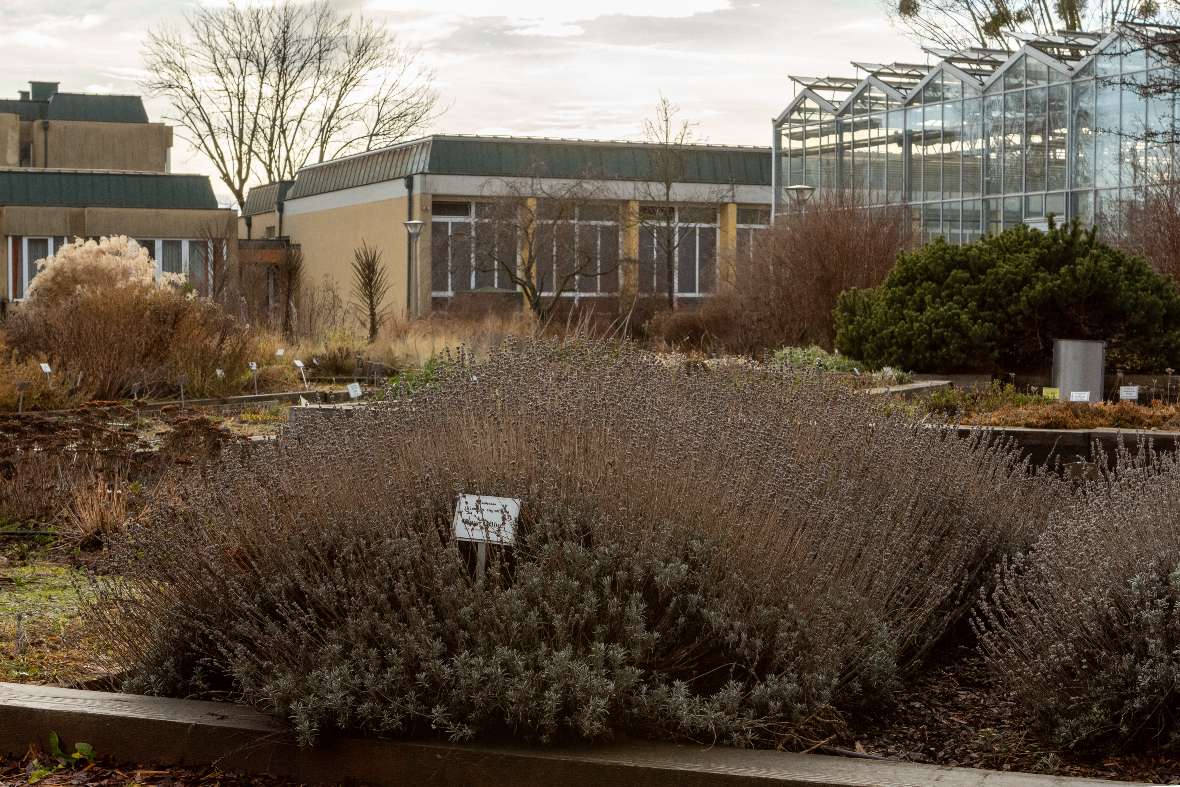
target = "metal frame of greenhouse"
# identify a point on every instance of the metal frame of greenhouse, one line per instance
(983, 139)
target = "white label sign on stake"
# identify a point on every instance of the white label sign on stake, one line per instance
(279, 353)
(220, 373)
(45, 369)
(487, 520)
(253, 366)
(354, 390)
(1129, 393)
(1079, 396)
(298, 364)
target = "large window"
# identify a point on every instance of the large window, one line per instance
(686, 237)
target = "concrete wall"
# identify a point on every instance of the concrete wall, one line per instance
(97, 222)
(141, 147)
(9, 140)
(258, 225)
(328, 238)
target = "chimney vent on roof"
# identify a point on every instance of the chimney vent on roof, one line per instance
(43, 91)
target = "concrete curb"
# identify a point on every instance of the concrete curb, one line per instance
(187, 732)
(908, 390)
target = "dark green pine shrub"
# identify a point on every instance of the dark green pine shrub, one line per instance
(1085, 628)
(713, 554)
(999, 303)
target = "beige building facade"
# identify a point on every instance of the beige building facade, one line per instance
(74, 165)
(452, 185)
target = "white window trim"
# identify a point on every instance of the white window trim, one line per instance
(575, 293)
(695, 227)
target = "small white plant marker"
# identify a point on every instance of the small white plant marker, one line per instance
(485, 520)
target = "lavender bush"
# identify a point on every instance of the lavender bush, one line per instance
(729, 553)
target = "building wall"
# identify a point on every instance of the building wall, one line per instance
(258, 226)
(141, 147)
(329, 237)
(9, 140)
(20, 222)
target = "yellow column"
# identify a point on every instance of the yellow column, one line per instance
(629, 262)
(727, 250)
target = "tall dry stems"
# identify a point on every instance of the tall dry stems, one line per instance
(712, 554)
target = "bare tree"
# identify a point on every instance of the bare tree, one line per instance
(993, 23)
(548, 239)
(262, 90)
(209, 267)
(370, 286)
(668, 136)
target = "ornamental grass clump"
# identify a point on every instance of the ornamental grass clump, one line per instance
(110, 327)
(1085, 627)
(722, 555)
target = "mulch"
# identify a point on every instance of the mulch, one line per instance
(955, 715)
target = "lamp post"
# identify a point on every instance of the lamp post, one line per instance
(414, 230)
(799, 195)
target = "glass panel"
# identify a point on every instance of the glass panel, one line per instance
(1055, 206)
(931, 221)
(440, 256)
(895, 156)
(1057, 149)
(913, 123)
(647, 257)
(1082, 207)
(972, 220)
(567, 258)
(1133, 136)
(198, 262)
(487, 257)
(1034, 138)
(1134, 55)
(440, 208)
(1161, 124)
(1014, 76)
(1034, 206)
(932, 161)
(993, 130)
(1106, 62)
(686, 264)
(608, 248)
(973, 147)
(37, 250)
(1013, 215)
(1083, 124)
(1106, 127)
(707, 267)
(992, 215)
(1036, 72)
(951, 222)
(1013, 142)
(952, 87)
(587, 259)
(171, 256)
(460, 257)
(150, 245)
(952, 149)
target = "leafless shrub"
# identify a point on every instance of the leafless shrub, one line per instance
(1085, 627)
(718, 555)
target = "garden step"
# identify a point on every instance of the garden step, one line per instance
(233, 737)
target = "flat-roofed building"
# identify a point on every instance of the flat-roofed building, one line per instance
(719, 197)
(75, 165)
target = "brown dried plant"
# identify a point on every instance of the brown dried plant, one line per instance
(711, 553)
(1085, 627)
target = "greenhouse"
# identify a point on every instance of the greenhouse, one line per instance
(1071, 125)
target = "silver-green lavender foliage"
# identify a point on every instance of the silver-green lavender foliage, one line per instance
(1085, 627)
(705, 554)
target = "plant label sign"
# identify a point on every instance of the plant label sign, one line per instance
(354, 390)
(486, 520)
(298, 364)
(45, 369)
(1079, 396)
(279, 353)
(1129, 393)
(253, 366)
(1051, 393)
(220, 373)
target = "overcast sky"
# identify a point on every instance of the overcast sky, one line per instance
(528, 67)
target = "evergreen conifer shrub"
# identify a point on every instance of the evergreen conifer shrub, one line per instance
(1000, 302)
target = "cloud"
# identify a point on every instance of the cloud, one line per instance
(529, 67)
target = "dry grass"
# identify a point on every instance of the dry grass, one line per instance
(1070, 415)
(712, 553)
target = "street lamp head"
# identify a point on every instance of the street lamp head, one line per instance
(799, 194)
(414, 228)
